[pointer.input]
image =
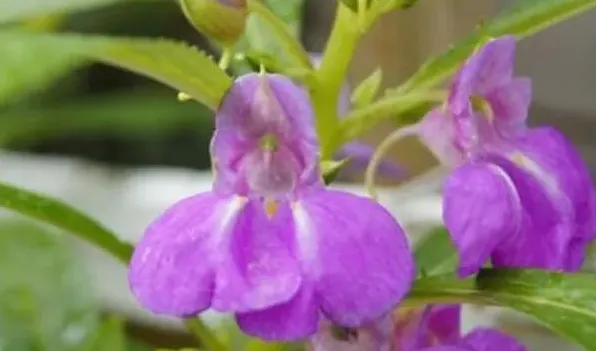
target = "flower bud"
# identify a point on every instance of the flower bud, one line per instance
(222, 20)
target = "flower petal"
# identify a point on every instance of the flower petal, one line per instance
(292, 320)
(437, 132)
(490, 67)
(480, 209)
(432, 325)
(486, 339)
(510, 104)
(260, 269)
(558, 196)
(356, 251)
(172, 268)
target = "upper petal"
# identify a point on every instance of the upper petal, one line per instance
(295, 319)
(172, 268)
(510, 103)
(356, 252)
(487, 339)
(480, 209)
(491, 66)
(437, 132)
(259, 269)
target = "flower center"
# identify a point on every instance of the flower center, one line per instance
(480, 104)
(269, 142)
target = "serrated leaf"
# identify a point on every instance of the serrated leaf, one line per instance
(366, 91)
(17, 10)
(435, 254)
(45, 298)
(175, 64)
(21, 72)
(63, 216)
(566, 303)
(522, 19)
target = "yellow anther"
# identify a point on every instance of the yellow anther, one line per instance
(271, 207)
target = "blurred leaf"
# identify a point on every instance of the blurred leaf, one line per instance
(108, 337)
(131, 114)
(523, 19)
(289, 12)
(64, 217)
(45, 298)
(361, 120)
(267, 36)
(17, 10)
(366, 91)
(21, 71)
(435, 254)
(331, 169)
(176, 64)
(566, 303)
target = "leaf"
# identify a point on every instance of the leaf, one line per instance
(522, 19)
(108, 337)
(331, 169)
(20, 70)
(137, 113)
(289, 12)
(64, 217)
(435, 254)
(17, 10)
(176, 64)
(267, 35)
(361, 120)
(366, 91)
(566, 303)
(45, 297)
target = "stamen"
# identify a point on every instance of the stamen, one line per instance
(373, 165)
(268, 142)
(271, 207)
(480, 104)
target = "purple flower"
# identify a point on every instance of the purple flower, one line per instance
(270, 243)
(358, 153)
(434, 328)
(437, 328)
(522, 197)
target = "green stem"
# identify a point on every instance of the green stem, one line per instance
(287, 40)
(332, 74)
(204, 335)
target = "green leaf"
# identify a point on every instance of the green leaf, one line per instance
(21, 72)
(366, 91)
(64, 217)
(522, 19)
(330, 169)
(267, 35)
(289, 12)
(435, 254)
(46, 300)
(109, 336)
(137, 113)
(361, 120)
(17, 10)
(566, 303)
(176, 64)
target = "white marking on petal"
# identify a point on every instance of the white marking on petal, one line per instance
(305, 236)
(513, 189)
(225, 217)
